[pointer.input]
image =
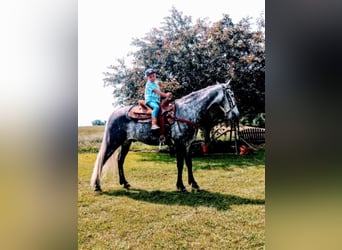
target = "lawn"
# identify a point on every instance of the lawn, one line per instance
(227, 213)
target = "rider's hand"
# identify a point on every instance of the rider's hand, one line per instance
(168, 95)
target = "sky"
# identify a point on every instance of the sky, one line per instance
(106, 29)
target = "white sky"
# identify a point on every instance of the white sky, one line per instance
(106, 29)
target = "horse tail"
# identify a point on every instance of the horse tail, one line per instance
(100, 160)
(95, 177)
(104, 165)
(111, 165)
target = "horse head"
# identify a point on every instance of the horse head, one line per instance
(230, 107)
(225, 102)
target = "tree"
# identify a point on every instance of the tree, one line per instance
(190, 56)
(98, 123)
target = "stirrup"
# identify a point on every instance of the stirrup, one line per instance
(161, 142)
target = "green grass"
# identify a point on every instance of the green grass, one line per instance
(227, 213)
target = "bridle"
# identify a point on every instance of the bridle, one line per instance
(232, 104)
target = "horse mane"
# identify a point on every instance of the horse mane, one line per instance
(197, 95)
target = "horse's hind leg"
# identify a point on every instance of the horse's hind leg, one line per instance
(191, 178)
(121, 158)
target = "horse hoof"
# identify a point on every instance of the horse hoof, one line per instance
(182, 190)
(195, 189)
(127, 185)
(97, 189)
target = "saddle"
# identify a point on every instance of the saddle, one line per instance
(143, 113)
(140, 112)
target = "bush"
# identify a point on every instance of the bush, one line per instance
(98, 123)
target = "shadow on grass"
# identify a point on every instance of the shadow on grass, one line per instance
(200, 198)
(221, 161)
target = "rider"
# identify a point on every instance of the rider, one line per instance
(153, 94)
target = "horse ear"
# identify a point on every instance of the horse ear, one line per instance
(227, 84)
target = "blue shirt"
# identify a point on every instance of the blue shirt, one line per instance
(150, 95)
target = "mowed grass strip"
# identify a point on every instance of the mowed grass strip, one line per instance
(228, 212)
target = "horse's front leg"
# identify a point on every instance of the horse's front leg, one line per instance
(180, 153)
(121, 158)
(191, 178)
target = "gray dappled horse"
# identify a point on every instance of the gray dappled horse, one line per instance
(200, 109)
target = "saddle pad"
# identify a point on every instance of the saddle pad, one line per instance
(139, 113)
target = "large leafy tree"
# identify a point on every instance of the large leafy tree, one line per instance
(191, 56)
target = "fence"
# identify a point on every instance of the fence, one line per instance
(252, 135)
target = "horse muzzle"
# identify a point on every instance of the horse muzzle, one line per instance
(233, 113)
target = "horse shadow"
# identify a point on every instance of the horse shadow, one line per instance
(197, 199)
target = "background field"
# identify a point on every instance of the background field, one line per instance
(227, 213)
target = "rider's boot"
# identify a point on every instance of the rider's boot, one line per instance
(154, 124)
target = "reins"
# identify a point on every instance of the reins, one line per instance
(175, 118)
(186, 121)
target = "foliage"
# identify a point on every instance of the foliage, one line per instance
(190, 56)
(98, 123)
(257, 120)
